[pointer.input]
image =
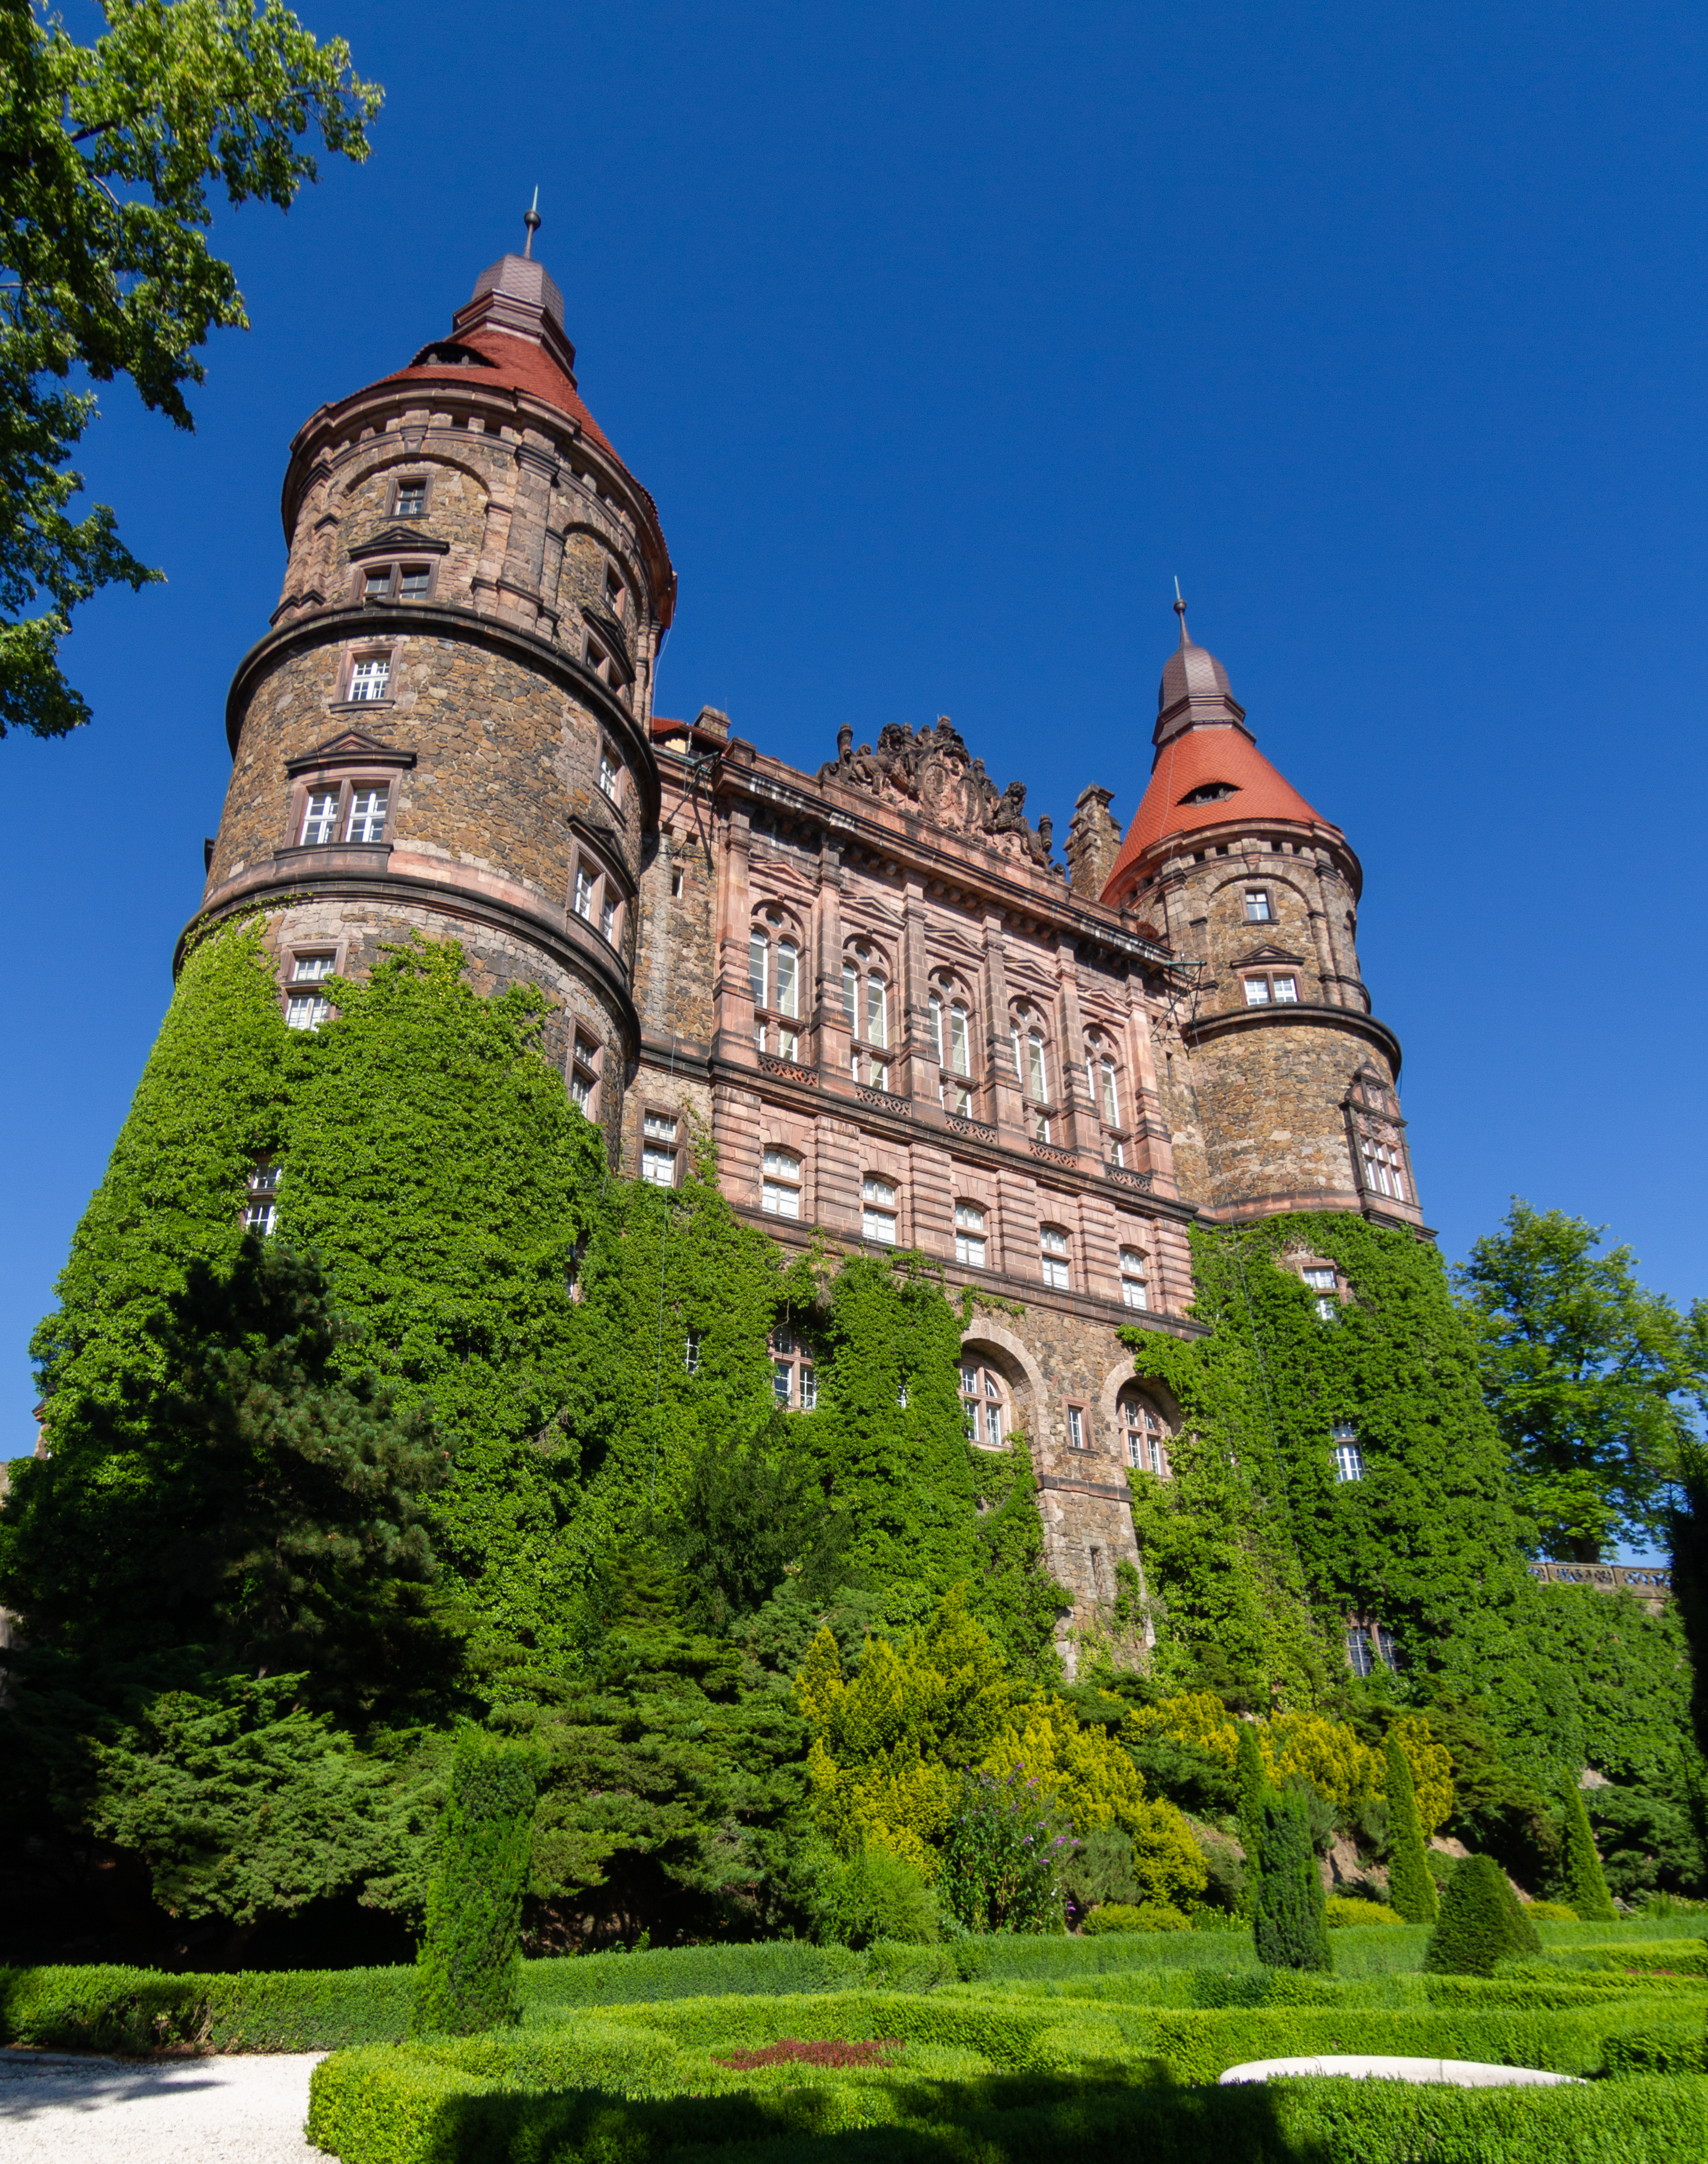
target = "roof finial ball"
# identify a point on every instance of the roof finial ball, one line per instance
(531, 218)
(1181, 611)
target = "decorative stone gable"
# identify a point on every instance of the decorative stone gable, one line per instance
(930, 775)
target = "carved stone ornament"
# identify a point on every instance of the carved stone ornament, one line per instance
(929, 774)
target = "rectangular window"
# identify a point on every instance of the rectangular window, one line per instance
(877, 1011)
(657, 1156)
(320, 818)
(1132, 1286)
(1287, 990)
(1358, 1652)
(878, 1211)
(691, 1352)
(307, 1010)
(788, 1044)
(414, 581)
(370, 676)
(958, 1040)
(1387, 1651)
(367, 815)
(970, 1249)
(809, 1389)
(1076, 1427)
(1256, 991)
(583, 894)
(1111, 1111)
(1257, 906)
(675, 884)
(260, 1209)
(411, 499)
(607, 775)
(1348, 1459)
(377, 585)
(584, 1072)
(759, 955)
(1034, 1068)
(1054, 1255)
(851, 994)
(311, 969)
(787, 979)
(783, 1381)
(580, 1089)
(607, 920)
(779, 1200)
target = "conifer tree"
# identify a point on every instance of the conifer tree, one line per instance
(1411, 1888)
(469, 1968)
(1586, 1887)
(1480, 1923)
(1249, 1774)
(1290, 1914)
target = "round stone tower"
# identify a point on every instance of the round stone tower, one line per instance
(447, 729)
(1283, 1095)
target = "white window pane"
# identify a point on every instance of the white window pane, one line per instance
(367, 815)
(970, 1217)
(1257, 908)
(1323, 1280)
(782, 1164)
(1287, 989)
(659, 1166)
(786, 980)
(969, 1381)
(1256, 991)
(310, 968)
(660, 1127)
(1055, 1274)
(876, 1225)
(809, 1389)
(414, 581)
(780, 1202)
(782, 1381)
(993, 1424)
(608, 922)
(583, 894)
(607, 775)
(1076, 1428)
(368, 678)
(1133, 1294)
(875, 1189)
(971, 1250)
(320, 818)
(1111, 1111)
(758, 960)
(411, 498)
(934, 1013)
(307, 1010)
(850, 993)
(1034, 1066)
(1054, 1243)
(877, 1011)
(580, 1089)
(958, 1040)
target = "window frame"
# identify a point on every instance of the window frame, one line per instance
(783, 1182)
(260, 1206)
(608, 894)
(1264, 912)
(793, 1365)
(1144, 1432)
(657, 1148)
(979, 1403)
(424, 481)
(1135, 1277)
(968, 1234)
(1077, 1424)
(879, 1210)
(583, 1067)
(1054, 1260)
(611, 776)
(392, 569)
(361, 655)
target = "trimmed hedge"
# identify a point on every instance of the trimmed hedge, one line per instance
(1658, 2047)
(109, 2009)
(780, 1967)
(396, 2108)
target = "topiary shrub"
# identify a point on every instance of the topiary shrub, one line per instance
(1290, 1924)
(1343, 1914)
(1550, 1912)
(1481, 1922)
(1124, 1916)
(1586, 1888)
(1249, 1773)
(468, 1969)
(1410, 1889)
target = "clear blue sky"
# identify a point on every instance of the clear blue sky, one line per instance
(945, 338)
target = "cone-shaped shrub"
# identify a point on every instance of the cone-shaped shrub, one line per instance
(1249, 1773)
(1586, 1888)
(1480, 1921)
(1411, 1888)
(1291, 1922)
(469, 1970)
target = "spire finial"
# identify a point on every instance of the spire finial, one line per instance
(1181, 611)
(531, 218)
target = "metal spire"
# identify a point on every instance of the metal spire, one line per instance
(531, 218)
(1181, 611)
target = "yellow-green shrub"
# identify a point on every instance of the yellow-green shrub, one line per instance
(1345, 1914)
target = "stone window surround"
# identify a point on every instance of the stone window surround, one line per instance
(1135, 1393)
(422, 479)
(646, 1109)
(366, 768)
(610, 881)
(1085, 1447)
(586, 1059)
(392, 558)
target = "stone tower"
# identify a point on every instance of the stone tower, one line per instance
(447, 728)
(1279, 1087)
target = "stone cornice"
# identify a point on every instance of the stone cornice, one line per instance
(428, 619)
(1312, 1013)
(376, 879)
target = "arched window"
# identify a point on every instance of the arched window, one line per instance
(970, 1235)
(984, 1403)
(1143, 1433)
(794, 1373)
(1103, 1087)
(1134, 1291)
(780, 1192)
(1349, 1457)
(951, 1040)
(878, 1209)
(773, 978)
(865, 1007)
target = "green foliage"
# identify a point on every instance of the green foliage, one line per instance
(1342, 1914)
(468, 1969)
(103, 2007)
(106, 154)
(1290, 1926)
(1428, 1541)
(1100, 1869)
(1410, 1889)
(1585, 1888)
(1582, 1369)
(752, 1518)
(873, 1895)
(1252, 1785)
(1687, 1540)
(1003, 1857)
(1127, 1916)
(1481, 1923)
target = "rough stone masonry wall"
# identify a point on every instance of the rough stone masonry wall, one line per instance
(1269, 1100)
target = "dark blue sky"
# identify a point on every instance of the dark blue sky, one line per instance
(945, 338)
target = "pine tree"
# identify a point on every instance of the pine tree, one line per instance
(1586, 1887)
(1290, 1915)
(1251, 1781)
(1481, 1922)
(469, 1968)
(1411, 1888)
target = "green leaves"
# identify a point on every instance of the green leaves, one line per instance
(1583, 1368)
(107, 154)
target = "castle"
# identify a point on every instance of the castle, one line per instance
(898, 1020)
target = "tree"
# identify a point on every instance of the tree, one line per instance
(469, 1968)
(1253, 1783)
(1481, 1922)
(1586, 1888)
(1583, 1369)
(1290, 1919)
(1687, 1538)
(1411, 1888)
(106, 154)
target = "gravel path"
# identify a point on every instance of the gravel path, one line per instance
(57, 2109)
